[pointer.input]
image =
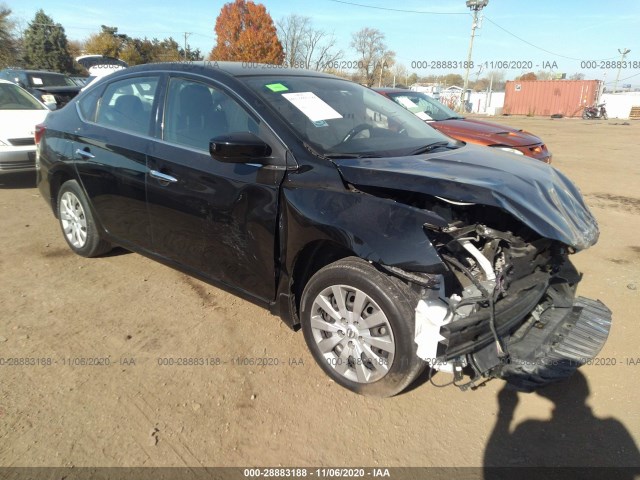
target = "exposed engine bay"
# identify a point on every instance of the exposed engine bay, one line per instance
(506, 305)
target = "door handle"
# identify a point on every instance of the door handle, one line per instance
(162, 177)
(85, 153)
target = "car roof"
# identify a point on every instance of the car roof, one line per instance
(35, 71)
(393, 90)
(233, 69)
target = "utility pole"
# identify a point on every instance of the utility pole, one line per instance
(475, 6)
(623, 52)
(186, 35)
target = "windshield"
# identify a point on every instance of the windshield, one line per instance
(423, 106)
(13, 97)
(339, 118)
(43, 79)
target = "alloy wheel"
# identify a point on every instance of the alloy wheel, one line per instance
(352, 333)
(73, 219)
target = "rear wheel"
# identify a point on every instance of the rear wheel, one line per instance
(77, 223)
(359, 326)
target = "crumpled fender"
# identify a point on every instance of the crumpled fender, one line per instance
(375, 229)
(535, 193)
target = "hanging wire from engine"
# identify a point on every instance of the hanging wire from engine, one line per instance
(488, 296)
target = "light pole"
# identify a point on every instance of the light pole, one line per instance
(623, 52)
(475, 6)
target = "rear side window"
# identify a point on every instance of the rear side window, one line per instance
(126, 104)
(44, 79)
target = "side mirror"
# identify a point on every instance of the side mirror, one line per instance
(239, 147)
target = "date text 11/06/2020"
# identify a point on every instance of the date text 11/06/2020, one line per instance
(488, 64)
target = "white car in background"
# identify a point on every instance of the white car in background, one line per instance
(99, 66)
(20, 112)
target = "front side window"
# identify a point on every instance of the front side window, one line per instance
(339, 118)
(196, 112)
(126, 104)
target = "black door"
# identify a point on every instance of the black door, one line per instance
(110, 152)
(219, 219)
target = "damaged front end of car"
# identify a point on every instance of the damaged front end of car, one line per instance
(505, 304)
(506, 308)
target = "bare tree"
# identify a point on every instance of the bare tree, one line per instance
(321, 52)
(544, 75)
(372, 50)
(291, 31)
(383, 69)
(400, 75)
(305, 46)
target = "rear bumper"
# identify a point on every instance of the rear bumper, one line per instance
(17, 159)
(548, 348)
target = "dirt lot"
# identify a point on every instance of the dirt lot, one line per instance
(133, 311)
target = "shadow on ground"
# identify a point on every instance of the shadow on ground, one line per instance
(573, 437)
(18, 180)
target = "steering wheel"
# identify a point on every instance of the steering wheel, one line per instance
(356, 130)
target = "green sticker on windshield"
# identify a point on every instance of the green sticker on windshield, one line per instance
(277, 87)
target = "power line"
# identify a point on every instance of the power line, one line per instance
(536, 46)
(398, 9)
(149, 32)
(465, 13)
(623, 79)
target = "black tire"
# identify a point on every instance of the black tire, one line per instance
(76, 221)
(376, 292)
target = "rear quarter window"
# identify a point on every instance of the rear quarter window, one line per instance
(88, 104)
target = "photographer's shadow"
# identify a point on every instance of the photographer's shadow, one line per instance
(573, 437)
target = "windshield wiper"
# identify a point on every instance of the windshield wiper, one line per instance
(430, 147)
(334, 156)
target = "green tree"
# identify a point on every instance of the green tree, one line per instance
(8, 43)
(46, 46)
(246, 33)
(108, 42)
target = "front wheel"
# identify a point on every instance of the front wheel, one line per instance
(359, 325)
(77, 223)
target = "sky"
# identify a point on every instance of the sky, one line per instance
(516, 36)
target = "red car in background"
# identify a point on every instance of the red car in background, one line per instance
(468, 130)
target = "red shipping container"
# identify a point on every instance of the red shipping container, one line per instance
(548, 97)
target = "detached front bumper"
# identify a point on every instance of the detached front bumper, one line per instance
(548, 347)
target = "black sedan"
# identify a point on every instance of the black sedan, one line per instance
(51, 88)
(391, 245)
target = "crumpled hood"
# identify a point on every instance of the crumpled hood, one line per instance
(535, 193)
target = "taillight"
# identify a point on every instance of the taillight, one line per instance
(39, 131)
